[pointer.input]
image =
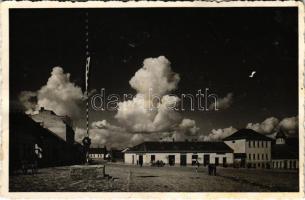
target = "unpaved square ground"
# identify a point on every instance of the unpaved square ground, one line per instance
(124, 178)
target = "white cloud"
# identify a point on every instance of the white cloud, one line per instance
(142, 113)
(151, 114)
(218, 134)
(271, 125)
(290, 125)
(29, 101)
(59, 95)
(268, 126)
(157, 75)
(222, 103)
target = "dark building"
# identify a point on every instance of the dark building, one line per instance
(116, 155)
(27, 137)
(285, 152)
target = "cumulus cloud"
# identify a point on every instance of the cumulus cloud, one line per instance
(222, 103)
(29, 101)
(271, 125)
(106, 125)
(156, 75)
(268, 126)
(59, 95)
(151, 114)
(218, 134)
(102, 135)
(147, 114)
(290, 125)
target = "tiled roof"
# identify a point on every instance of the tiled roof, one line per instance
(280, 134)
(217, 147)
(247, 134)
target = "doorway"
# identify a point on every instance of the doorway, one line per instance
(141, 159)
(216, 161)
(224, 161)
(183, 160)
(206, 160)
(171, 160)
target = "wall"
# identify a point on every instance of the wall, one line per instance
(96, 155)
(24, 137)
(164, 157)
(239, 146)
(52, 122)
(261, 150)
(279, 163)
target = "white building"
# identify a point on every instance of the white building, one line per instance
(284, 156)
(251, 149)
(180, 153)
(97, 153)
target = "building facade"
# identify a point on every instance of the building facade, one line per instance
(28, 140)
(180, 153)
(97, 153)
(251, 149)
(284, 155)
(60, 125)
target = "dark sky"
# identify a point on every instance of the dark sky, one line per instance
(209, 47)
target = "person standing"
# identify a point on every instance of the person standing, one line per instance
(197, 165)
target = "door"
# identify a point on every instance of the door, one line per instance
(206, 160)
(141, 159)
(224, 161)
(216, 161)
(183, 160)
(171, 160)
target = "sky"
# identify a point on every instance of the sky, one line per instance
(215, 48)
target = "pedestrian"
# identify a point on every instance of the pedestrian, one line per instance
(209, 169)
(141, 163)
(197, 165)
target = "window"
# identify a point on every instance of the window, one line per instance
(263, 157)
(257, 156)
(249, 143)
(267, 157)
(258, 165)
(152, 158)
(258, 143)
(253, 156)
(253, 143)
(249, 156)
